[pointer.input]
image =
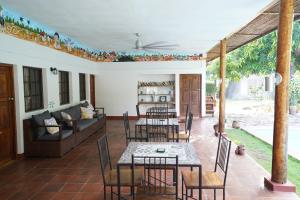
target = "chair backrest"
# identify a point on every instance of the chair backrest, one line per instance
(189, 123)
(223, 155)
(187, 110)
(138, 114)
(126, 124)
(157, 174)
(157, 128)
(104, 155)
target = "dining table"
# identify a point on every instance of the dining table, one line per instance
(187, 156)
(171, 122)
(163, 110)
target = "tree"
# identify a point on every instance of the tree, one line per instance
(257, 57)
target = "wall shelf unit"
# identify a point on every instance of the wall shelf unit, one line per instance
(151, 93)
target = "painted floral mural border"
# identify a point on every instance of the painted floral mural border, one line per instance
(14, 24)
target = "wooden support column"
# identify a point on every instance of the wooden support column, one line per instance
(222, 86)
(280, 134)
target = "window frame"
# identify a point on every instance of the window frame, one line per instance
(35, 80)
(64, 87)
(82, 86)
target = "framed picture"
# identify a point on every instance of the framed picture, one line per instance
(163, 98)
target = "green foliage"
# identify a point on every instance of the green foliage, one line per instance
(257, 57)
(294, 91)
(211, 89)
(262, 154)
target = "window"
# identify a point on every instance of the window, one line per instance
(64, 95)
(33, 88)
(82, 87)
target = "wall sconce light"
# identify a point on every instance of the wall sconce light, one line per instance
(53, 70)
(278, 78)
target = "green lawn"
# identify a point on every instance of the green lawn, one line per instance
(262, 153)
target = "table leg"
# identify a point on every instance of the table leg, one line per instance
(119, 187)
(135, 129)
(200, 182)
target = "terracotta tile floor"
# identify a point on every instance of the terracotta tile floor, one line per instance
(77, 175)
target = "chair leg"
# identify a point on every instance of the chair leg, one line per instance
(186, 194)
(215, 196)
(223, 193)
(104, 188)
(182, 188)
(111, 193)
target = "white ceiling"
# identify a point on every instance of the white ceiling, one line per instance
(196, 25)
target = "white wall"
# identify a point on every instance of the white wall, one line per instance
(23, 53)
(116, 83)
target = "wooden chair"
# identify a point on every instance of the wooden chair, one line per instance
(210, 179)
(184, 135)
(157, 126)
(156, 181)
(138, 114)
(130, 136)
(110, 179)
(184, 120)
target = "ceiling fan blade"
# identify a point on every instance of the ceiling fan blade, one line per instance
(154, 43)
(167, 45)
(159, 48)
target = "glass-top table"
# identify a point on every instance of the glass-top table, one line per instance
(187, 156)
(186, 153)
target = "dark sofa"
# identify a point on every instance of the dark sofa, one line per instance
(39, 143)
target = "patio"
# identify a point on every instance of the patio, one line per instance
(77, 175)
(59, 96)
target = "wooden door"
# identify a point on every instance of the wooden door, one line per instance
(92, 89)
(7, 114)
(190, 94)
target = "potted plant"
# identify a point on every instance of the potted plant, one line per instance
(240, 149)
(293, 106)
(298, 106)
(294, 94)
(216, 129)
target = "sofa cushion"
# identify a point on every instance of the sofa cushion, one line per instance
(38, 120)
(85, 123)
(67, 117)
(85, 104)
(57, 115)
(48, 137)
(74, 111)
(86, 113)
(53, 125)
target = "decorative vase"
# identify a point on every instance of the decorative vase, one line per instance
(216, 129)
(235, 124)
(293, 110)
(240, 149)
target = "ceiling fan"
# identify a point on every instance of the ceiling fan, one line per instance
(160, 45)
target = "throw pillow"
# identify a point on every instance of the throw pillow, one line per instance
(66, 116)
(51, 122)
(86, 113)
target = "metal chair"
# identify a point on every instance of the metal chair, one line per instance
(156, 182)
(110, 179)
(157, 126)
(184, 120)
(130, 136)
(210, 179)
(184, 135)
(138, 114)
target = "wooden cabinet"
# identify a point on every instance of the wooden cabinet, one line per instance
(156, 93)
(190, 93)
(210, 105)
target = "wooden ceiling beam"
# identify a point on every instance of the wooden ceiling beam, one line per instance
(277, 13)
